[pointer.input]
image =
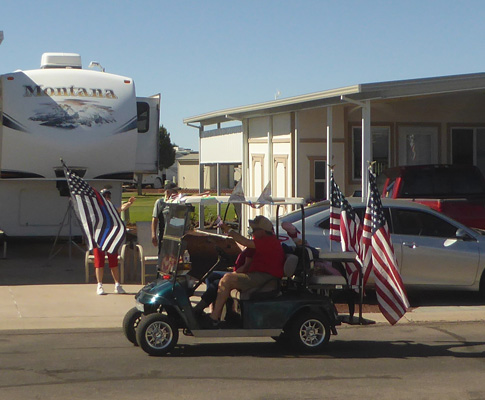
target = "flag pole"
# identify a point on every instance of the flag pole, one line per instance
(361, 271)
(331, 167)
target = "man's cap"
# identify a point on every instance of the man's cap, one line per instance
(105, 192)
(171, 186)
(261, 222)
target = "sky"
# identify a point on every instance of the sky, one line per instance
(209, 55)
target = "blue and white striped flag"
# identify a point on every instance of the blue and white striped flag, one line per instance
(99, 218)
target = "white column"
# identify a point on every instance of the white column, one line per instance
(295, 172)
(245, 175)
(366, 146)
(218, 183)
(329, 147)
(270, 164)
(270, 154)
(201, 182)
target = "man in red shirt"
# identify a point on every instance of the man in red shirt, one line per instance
(268, 262)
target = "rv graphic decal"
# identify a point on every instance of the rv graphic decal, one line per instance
(70, 114)
(12, 123)
(71, 91)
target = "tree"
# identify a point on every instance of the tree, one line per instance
(166, 150)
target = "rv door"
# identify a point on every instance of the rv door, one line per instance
(148, 110)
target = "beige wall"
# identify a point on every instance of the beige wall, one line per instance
(260, 170)
(188, 174)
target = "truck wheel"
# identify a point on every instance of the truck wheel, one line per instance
(157, 334)
(157, 184)
(309, 332)
(130, 322)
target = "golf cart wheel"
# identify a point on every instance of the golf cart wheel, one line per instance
(309, 332)
(130, 323)
(157, 334)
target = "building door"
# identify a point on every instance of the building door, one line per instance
(280, 184)
(468, 147)
(257, 174)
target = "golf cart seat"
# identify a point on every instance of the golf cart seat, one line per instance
(272, 288)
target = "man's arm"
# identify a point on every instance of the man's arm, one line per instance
(128, 204)
(155, 212)
(237, 237)
(154, 231)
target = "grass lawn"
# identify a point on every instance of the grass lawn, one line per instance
(142, 208)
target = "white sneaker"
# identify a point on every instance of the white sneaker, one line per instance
(119, 289)
(100, 289)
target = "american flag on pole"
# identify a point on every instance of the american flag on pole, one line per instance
(345, 228)
(99, 218)
(379, 259)
(335, 206)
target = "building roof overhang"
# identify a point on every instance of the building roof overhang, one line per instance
(361, 92)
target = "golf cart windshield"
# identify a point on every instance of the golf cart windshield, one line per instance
(177, 223)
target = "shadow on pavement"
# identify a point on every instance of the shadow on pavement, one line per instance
(341, 349)
(30, 262)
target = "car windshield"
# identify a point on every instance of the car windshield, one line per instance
(442, 182)
(309, 211)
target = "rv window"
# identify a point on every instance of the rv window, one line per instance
(143, 114)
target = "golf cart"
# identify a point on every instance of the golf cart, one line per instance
(295, 310)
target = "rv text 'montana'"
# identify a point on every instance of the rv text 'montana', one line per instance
(71, 91)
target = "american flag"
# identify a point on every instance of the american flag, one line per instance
(345, 228)
(379, 259)
(335, 206)
(99, 218)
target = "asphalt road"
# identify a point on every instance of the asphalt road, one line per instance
(431, 361)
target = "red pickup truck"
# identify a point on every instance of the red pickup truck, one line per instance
(454, 190)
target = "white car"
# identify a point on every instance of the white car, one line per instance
(433, 251)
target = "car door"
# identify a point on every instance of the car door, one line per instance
(430, 252)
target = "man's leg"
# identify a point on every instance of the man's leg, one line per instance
(227, 283)
(115, 272)
(99, 269)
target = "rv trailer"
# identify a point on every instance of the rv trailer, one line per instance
(91, 119)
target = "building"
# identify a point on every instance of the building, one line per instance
(292, 142)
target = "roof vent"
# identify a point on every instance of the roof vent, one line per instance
(60, 60)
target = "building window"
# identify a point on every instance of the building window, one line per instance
(143, 116)
(468, 147)
(417, 145)
(319, 181)
(380, 149)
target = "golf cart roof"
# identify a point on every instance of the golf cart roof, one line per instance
(254, 201)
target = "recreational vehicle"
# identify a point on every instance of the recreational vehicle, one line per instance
(89, 118)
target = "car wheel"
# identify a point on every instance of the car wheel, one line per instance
(130, 322)
(157, 334)
(309, 332)
(481, 291)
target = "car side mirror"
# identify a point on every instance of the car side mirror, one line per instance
(461, 234)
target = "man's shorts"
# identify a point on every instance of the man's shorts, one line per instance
(252, 280)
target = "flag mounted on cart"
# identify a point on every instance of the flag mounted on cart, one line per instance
(237, 193)
(101, 223)
(345, 228)
(377, 253)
